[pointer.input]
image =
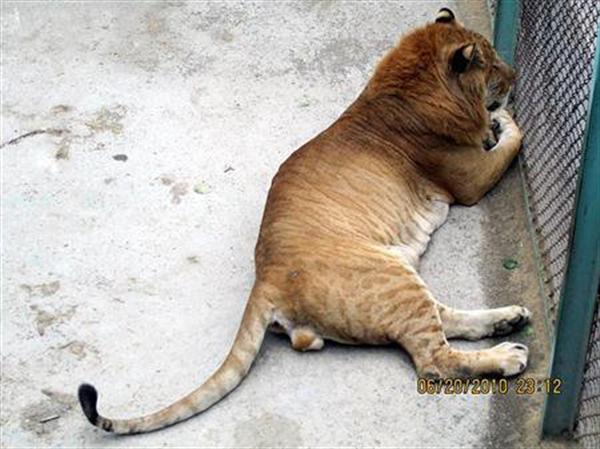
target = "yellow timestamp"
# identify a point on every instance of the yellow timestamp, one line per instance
(521, 386)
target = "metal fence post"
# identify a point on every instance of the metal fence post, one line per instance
(506, 28)
(580, 285)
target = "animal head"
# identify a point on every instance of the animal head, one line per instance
(472, 61)
(440, 80)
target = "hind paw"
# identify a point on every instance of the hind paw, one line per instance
(511, 358)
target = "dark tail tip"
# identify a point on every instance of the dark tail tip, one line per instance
(88, 398)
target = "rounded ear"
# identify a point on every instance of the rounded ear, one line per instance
(445, 15)
(465, 57)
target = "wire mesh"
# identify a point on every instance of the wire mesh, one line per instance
(554, 55)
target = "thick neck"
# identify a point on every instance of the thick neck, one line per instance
(419, 126)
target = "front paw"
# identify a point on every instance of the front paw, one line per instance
(496, 129)
(502, 116)
(503, 126)
(493, 135)
(490, 140)
(501, 121)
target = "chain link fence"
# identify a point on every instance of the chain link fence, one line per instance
(554, 55)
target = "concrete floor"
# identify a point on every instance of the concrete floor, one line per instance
(129, 223)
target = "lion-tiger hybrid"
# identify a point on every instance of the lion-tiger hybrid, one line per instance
(350, 213)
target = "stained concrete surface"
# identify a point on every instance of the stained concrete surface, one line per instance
(131, 205)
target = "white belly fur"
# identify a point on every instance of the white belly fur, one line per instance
(424, 222)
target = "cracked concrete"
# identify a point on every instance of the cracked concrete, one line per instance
(128, 236)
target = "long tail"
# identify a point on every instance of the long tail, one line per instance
(257, 317)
